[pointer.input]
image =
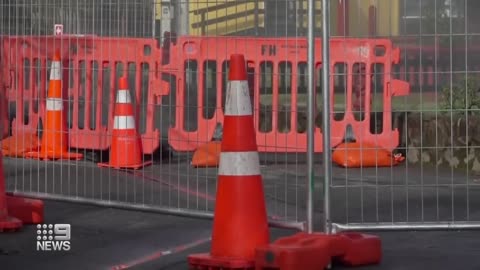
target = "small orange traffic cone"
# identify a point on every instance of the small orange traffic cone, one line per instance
(126, 146)
(54, 143)
(240, 218)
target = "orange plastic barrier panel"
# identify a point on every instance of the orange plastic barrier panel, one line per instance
(277, 77)
(91, 67)
(4, 124)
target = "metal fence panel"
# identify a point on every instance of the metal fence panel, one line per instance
(425, 94)
(437, 186)
(96, 52)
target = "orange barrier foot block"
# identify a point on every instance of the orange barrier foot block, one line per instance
(18, 145)
(361, 249)
(50, 155)
(129, 166)
(316, 251)
(29, 211)
(207, 155)
(10, 224)
(205, 261)
(300, 251)
(356, 155)
(7, 222)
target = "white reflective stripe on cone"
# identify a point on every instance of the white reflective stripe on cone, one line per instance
(54, 104)
(123, 96)
(239, 164)
(238, 99)
(55, 71)
(123, 122)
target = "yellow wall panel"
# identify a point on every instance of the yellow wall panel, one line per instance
(358, 17)
(387, 12)
(302, 22)
(225, 26)
(387, 24)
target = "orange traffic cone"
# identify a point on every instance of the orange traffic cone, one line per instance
(126, 146)
(240, 220)
(54, 143)
(7, 222)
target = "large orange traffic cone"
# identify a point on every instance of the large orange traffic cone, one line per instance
(126, 146)
(240, 220)
(54, 143)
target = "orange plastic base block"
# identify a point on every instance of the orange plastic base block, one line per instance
(129, 166)
(50, 155)
(29, 211)
(207, 155)
(206, 261)
(317, 251)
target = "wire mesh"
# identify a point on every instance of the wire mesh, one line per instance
(172, 93)
(177, 83)
(437, 186)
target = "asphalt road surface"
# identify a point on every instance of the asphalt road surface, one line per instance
(107, 238)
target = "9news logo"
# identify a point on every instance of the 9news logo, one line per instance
(53, 237)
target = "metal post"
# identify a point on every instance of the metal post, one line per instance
(311, 113)
(327, 158)
(154, 17)
(407, 226)
(182, 17)
(166, 17)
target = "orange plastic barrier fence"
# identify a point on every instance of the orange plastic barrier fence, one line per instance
(277, 68)
(4, 123)
(91, 67)
(277, 76)
(421, 65)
